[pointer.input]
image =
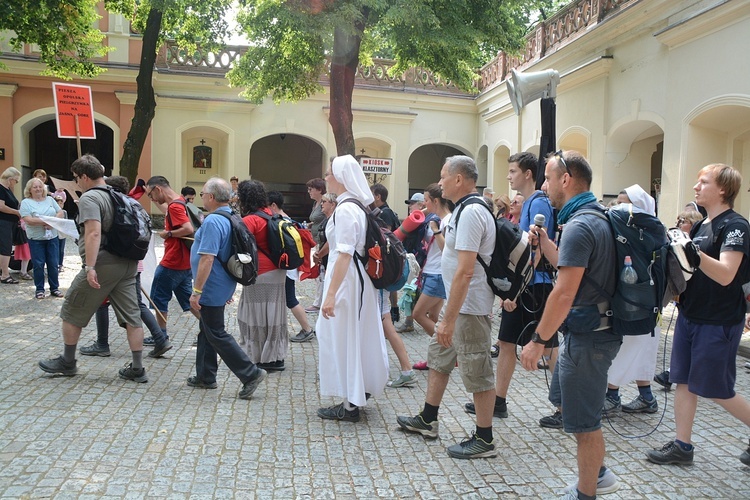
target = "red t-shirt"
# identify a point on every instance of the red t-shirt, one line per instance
(259, 227)
(176, 253)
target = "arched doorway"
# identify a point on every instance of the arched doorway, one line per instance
(425, 164)
(55, 155)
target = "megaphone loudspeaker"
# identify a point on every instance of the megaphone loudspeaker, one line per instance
(526, 87)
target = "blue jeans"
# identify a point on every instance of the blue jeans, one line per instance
(214, 340)
(45, 252)
(166, 281)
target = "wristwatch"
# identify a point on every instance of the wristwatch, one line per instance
(169, 234)
(537, 339)
(89, 268)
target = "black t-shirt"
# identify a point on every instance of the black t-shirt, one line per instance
(389, 217)
(10, 201)
(704, 300)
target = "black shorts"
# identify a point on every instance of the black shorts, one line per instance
(530, 308)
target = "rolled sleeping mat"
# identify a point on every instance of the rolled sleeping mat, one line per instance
(411, 223)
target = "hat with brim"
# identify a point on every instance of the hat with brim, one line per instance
(415, 198)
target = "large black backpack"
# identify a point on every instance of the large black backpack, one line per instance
(130, 234)
(242, 265)
(285, 247)
(510, 269)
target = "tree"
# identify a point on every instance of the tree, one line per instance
(293, 39)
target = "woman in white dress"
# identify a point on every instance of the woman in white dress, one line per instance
(636, 359)
(352, 360)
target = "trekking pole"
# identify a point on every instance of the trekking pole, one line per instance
(154, 306)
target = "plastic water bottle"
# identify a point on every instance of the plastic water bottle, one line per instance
(628, 274)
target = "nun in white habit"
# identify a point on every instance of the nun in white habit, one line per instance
(352, 359)
(636, 360)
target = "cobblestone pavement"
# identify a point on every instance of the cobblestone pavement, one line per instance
(95, 435)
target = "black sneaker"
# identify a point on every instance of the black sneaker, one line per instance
(395, 315)
(745, 457)
(553, 421)
(303, 336)
(248, 388)
(198, 383)
(338, 412)
(473, 447)
(136, 375)
(670, 453)
(273, 366)
(159, 351)
(663, 380)
(498, 411)
(149, 341)
(58, 366)
(95, 349)
(418, 425)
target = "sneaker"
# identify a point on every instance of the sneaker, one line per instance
(494, 351)
(473, 447)
(159, 351)
(312, 309)
(303, 336)
(553, 421)
(405, 327)
(149, 341)
(338, 412)
(670, 453)
(95, 349)
(747, 364)
(418, 425)
(395, 315)
(196, 382)
(611, 405)
(640, 405)
(403, 380)
(606, 483)
(195, 342)
(420, 365)
(136, 375)
(248, 388)
(273, 366)
(58, 366)
(663, 380)
(745, 457)
(543, 363)
(498, 412)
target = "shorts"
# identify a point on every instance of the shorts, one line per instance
(519, 325)
(432, 285)
(291, 293)
(383, 303)
(704, 357)
(582, 368)
(166, 281)
(472, 338)
(117, 280)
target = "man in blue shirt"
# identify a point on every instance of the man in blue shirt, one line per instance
(212, 288)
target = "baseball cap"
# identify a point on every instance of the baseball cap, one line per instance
(415, 198)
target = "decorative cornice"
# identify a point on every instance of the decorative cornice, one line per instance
(8, 89)
(703, 22)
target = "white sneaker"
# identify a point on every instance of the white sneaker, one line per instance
(606, 483)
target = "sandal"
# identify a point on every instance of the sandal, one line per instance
(39, 295)
(56, 293)
(9, 281)
(26, 276)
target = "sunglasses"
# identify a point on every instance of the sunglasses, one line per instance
(559, 154)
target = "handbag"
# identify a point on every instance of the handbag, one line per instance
(19, 235)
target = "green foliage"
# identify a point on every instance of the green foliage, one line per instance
(64, 32)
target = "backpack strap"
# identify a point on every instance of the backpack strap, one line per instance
(357, 258)
(179, 202)
(267, 218)
(475, 200)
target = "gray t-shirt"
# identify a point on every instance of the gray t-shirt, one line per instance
(586, 241)
(475, 232)
(94, 205)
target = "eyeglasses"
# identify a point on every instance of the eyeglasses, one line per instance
(202, 193)
(149, 193)
(559, 154)
(681, 222)
(76, 177)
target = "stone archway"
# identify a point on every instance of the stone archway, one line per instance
(425, 163)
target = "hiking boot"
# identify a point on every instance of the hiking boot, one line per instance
(473, 447)
(663, 380)
(95, 349)
(640, 405)
(553, 421)
(405, 327)
(303, 336)
(395, 315)
(198, 383)
(159, 351)
(670, 453)
(745, 457)
(498, 411)
(248, 388)
(403, 380)
(418, 425)
(136, 375)
(338, 412)
(58, 366)
(611, 405)
(606, 483)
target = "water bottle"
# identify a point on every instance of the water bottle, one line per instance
(628, 276)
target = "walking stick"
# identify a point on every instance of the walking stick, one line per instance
(154, 306)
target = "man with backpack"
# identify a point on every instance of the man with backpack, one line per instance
(172, 275)
(586, 257)
(463, 333)
(104, 274)
(387, 215)
(712, 313)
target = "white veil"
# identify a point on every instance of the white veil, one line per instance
(347, 171)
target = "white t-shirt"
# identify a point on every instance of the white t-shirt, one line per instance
(434, 254)
(475, 233)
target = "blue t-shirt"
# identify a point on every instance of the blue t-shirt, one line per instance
(538, 203)
(214, 238)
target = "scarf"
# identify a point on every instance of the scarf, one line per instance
(574, 204)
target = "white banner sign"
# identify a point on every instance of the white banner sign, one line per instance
(377, 165)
